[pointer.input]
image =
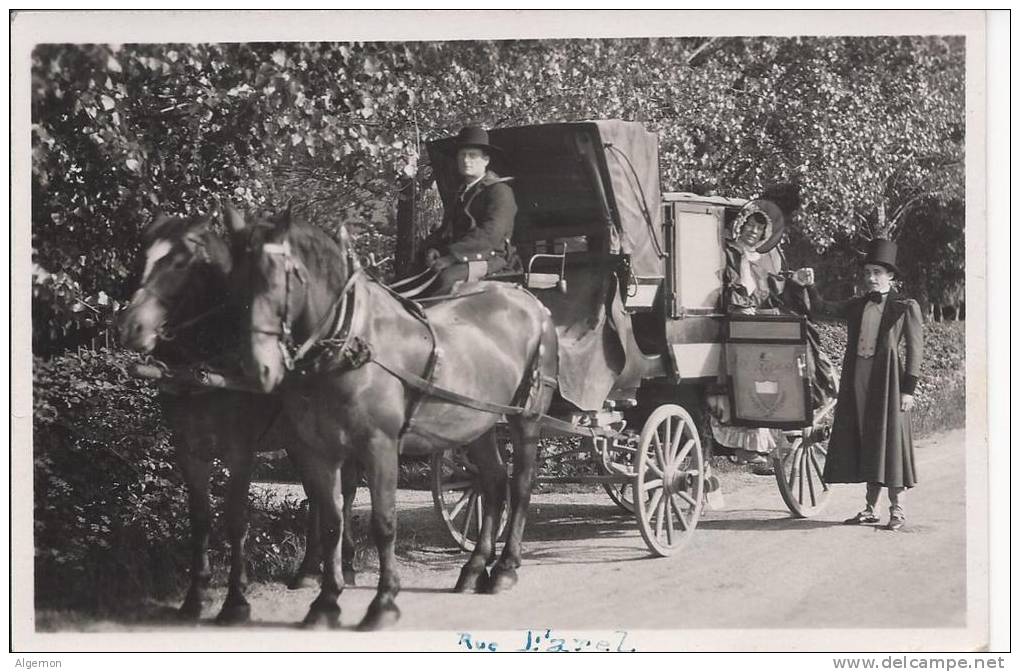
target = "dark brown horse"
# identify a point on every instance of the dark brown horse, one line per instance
(362, 374)
(185, 314)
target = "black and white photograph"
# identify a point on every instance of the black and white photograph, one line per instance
(503, 331)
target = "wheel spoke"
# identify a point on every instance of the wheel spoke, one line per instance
(669, 520)
(667, 443)
(685, 452)
(793, 468)
(802, 461)
(818, 470)
(456, 508)
(659, 520)
(657, 443)
(678, 510)
(653, 484)
(809, 478)
(681, 424)
(479, 509)
(653, 501)
(788, 458)
(687, 498)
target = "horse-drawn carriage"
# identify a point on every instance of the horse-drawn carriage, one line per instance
(633, 281)
(610, 332)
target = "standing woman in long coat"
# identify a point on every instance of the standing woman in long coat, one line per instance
(871, 440)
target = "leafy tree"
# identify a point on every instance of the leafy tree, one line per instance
(869, 128)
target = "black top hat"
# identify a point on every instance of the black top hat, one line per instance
(883, 253)
(474, 136)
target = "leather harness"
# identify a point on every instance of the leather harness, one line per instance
(342, 349)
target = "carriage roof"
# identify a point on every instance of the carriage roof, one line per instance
(588, 178)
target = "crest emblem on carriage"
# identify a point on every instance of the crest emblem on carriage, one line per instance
(766, 393)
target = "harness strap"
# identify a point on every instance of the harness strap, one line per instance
(340, 310)
(428, 388)
(431, 389)
(430, 372)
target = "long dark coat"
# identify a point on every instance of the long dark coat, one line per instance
(884, 451)
(479, 223)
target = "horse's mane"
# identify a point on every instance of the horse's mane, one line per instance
(321, 253)
(169, 228)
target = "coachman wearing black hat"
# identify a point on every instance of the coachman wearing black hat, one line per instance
(871, 440)
(472, 241)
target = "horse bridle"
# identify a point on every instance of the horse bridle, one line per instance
(285, 341)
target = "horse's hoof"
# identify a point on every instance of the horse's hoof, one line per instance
(349, 575)
(471, 580)
(379, 618)
(502, 580)
(191, 610)
(234, 614)
(322, 618)
(303, 581)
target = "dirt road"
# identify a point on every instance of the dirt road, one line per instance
(749, 568)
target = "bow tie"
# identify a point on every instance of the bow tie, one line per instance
(874, 297)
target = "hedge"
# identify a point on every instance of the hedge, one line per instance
(111, 521)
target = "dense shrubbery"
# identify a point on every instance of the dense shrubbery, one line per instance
(107, 497)
(110, 508)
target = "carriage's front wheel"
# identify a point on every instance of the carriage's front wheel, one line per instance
(457, 495)
(669, 485)
(616, 460)
(799, 471)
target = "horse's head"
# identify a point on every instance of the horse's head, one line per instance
(293, 272)
(186, 265)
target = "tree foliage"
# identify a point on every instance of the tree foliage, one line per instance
(867, 127)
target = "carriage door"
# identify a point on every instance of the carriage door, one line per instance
(695, 277)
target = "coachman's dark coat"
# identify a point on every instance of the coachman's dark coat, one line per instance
(479, 223)
(884, 451)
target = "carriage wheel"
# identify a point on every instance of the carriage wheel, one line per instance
(670, 480)
(622, 495)
(457, 495)
(799, 475)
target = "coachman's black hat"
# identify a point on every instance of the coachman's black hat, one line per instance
(474, 136)
(883, 253)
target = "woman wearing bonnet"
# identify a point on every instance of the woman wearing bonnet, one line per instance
(755, 283)
(754, 263)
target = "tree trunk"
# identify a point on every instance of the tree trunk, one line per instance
(407, 237)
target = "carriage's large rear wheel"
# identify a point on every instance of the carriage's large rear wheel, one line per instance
(457, 495)
(799, 471)
(669, 485)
